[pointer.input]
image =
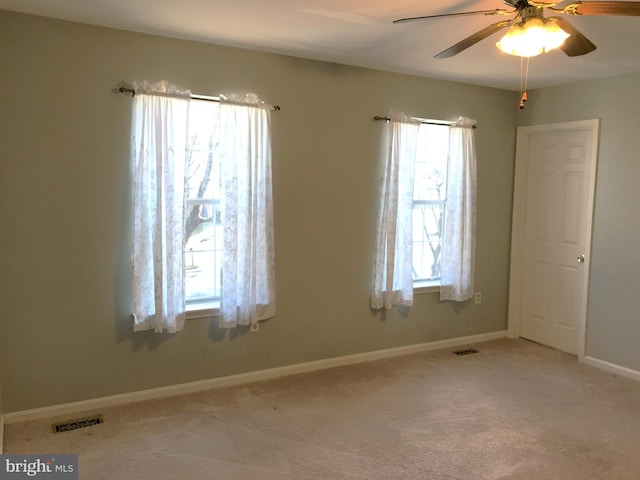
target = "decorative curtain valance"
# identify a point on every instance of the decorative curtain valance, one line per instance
(159, 89)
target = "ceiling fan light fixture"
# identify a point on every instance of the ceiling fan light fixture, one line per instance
(532, 37)
(554, 35)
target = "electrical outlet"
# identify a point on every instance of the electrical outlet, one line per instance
(477, 297)
(255, 327)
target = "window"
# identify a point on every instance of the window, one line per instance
(203, 220)
(429, 202)
(425, 233)
(199, 166)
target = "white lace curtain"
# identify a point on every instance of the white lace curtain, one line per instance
(459, 246)
(159, 163)
(248, 287)
(160, 137)
(392, 276)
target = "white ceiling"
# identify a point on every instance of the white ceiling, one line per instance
(360, 32)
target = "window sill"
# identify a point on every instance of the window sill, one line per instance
(212, 309)
(203, 310)
(426, 287)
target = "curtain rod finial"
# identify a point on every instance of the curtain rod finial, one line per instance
(127, 90)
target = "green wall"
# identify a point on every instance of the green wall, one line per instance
(66, 332)
(613, 325)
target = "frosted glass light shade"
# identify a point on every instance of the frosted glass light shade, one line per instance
(532, 37)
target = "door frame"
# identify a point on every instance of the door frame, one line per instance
(518, 223)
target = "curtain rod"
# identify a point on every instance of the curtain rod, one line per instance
(424, 122)
(193, 96)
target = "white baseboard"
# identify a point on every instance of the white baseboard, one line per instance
(613, 368)
(243, 378)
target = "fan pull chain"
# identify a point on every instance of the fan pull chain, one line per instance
(521, 83)
(524, 80)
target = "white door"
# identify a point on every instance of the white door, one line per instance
(553, 209)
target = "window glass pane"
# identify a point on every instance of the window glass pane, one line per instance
(430, 174)
(200, 177)
(429, 200)
(203, 234)
(427, 240)
(203, 177)
(202, 255)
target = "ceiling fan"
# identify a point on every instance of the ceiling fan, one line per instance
(529, 12)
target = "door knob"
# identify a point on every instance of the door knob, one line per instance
(580, 258)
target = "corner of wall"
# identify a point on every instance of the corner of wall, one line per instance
(613, 368)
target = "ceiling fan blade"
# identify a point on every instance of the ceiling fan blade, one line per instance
(631, 9)
(577, 44)
(472, 39)
(497, 11)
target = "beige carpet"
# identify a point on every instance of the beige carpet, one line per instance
(515, 410)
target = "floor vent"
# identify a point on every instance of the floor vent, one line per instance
(467, 351)
(76, 424)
